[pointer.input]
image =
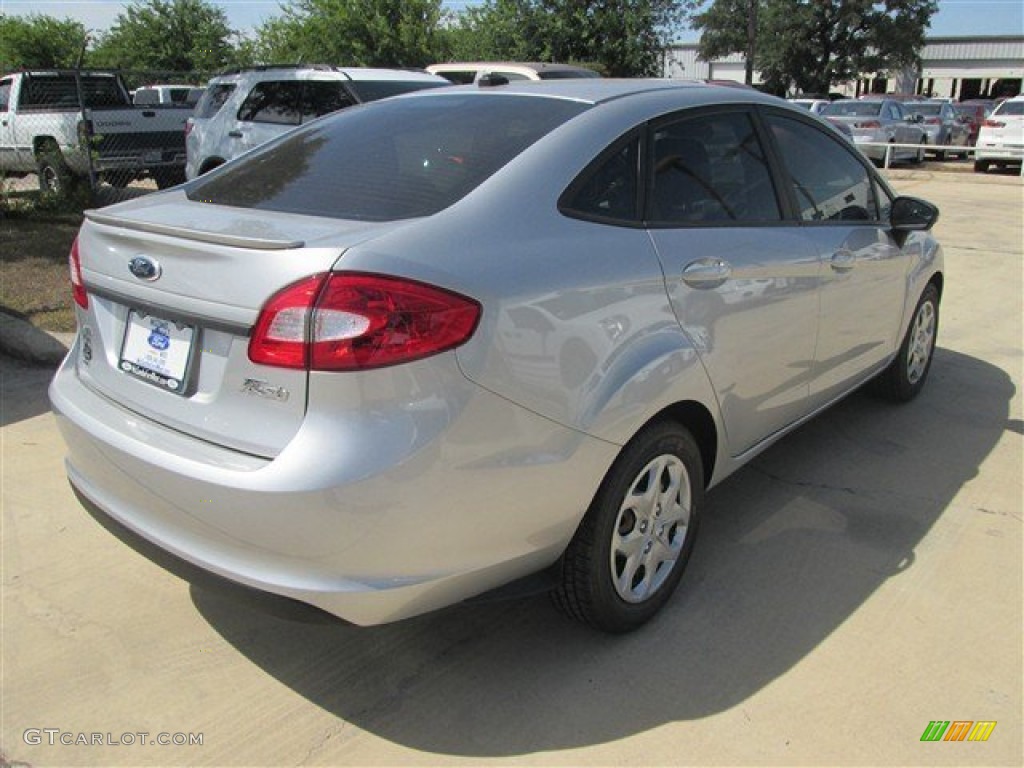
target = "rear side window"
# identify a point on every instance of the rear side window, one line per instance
(607, 191)
(5, 94)
(371, 90)
(390, 160)
(213, 99)
(710, 169)
(829, 182)
(565, 74)
(460, 77)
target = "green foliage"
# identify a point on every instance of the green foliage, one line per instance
(815, 45)
(367, 33)
(624, 38)
(39, 41)
(174, 35)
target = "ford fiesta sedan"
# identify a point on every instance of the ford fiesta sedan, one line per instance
(418, 349)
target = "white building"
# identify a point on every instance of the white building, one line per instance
(954, 67)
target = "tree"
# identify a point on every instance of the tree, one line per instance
(814, 45)
(625, 38)
(40, 41)
(367, 33)
(174, 35)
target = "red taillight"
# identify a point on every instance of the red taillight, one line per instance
(347, 321)
(188, 126)
(933, 121)
(77, 285)
(868, 124)
(994, 124)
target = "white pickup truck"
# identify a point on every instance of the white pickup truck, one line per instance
(72, 125)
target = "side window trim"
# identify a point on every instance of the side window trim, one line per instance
(787, 182)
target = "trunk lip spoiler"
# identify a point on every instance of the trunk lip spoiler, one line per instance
(203, 236)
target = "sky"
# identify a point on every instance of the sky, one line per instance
(955, 18)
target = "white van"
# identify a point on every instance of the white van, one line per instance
(464, 73)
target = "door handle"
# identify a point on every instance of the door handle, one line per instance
(843, 261)
(706, 273)
(235, 134)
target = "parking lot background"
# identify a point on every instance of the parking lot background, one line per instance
(857, 581)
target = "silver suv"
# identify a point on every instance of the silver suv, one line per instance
(244, 108)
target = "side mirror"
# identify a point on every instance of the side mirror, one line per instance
(912, 214)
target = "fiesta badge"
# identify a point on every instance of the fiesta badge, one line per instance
(144, 268)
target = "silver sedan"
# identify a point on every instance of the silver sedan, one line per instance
(422, 348)
(878, 123)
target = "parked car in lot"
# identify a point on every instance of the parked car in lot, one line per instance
(943, 127)
(247, 107)
(68, 126)
(462, 73)
(1001, 138)
(972, 114)
(877, 122)
(815, 106)
(419, 349)
(178, 95)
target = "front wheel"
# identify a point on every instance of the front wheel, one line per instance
(629, 552)
(981, 166)
(906, 374)
(165, 179)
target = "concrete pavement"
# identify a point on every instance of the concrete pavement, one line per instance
(859, 580)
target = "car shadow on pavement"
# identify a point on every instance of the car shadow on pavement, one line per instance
(791, 547)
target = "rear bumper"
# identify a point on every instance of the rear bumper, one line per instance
(493, 495)
(999, 152)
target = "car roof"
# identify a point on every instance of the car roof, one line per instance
(600, 90)
(536, 66)
(305, 71)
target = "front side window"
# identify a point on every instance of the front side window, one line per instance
(321, 97)
(829, 182)
(710, 169)
(388, 160)
(276, 102)
(371, 90)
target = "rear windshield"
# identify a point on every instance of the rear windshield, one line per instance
(1010, 108)
(853, 108)
(391, 160)
(41, 91)
(925, 109)
(371, 90)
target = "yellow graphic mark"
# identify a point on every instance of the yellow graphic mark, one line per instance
(982, 730)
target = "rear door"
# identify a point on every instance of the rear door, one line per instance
(863, 269)
(741, 279)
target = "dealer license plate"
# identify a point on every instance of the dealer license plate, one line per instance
(157, 350)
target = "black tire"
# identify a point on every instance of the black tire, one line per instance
(166, 179)
(54, 175)
(905, 376)
(981, 166)
(649, 502)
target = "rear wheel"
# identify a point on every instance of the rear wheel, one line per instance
(54, 175)
(629, 552)
(981, 166)
(906, 374)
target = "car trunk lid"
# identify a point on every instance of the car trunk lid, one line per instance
(171, 308)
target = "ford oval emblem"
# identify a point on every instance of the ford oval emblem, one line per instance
(144, 268)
